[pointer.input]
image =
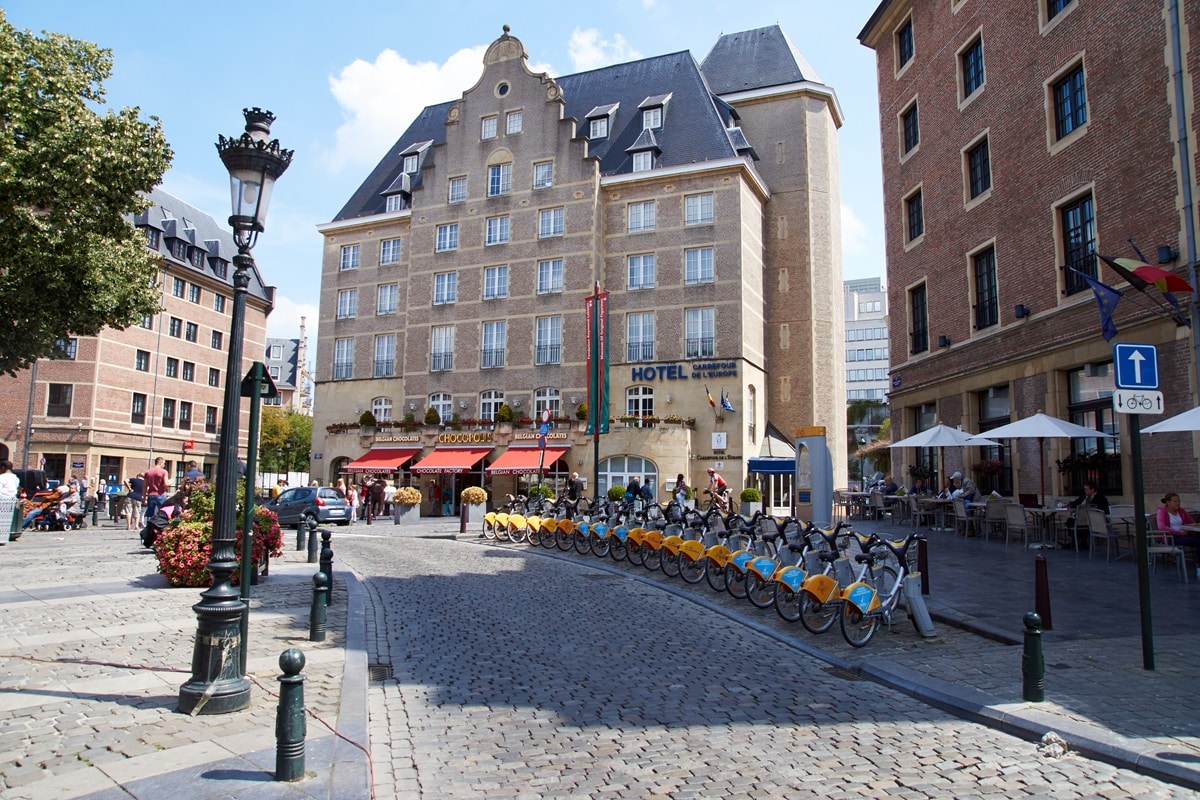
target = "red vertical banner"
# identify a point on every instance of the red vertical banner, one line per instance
(602, 359)
(589, 334)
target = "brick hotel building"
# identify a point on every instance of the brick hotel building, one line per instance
(703, 198)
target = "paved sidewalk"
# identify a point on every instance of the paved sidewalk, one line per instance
(95, 646)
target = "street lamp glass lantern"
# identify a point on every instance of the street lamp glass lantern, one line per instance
(254, 161)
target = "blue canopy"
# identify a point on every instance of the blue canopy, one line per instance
(766, 465)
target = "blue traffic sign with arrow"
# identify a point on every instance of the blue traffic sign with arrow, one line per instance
(1135, 366)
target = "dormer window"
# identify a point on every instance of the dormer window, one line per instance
(197, 257)
(179, 249)
(643, 151)
(652, 111)
(410, 163)
(600, 119)
(152, 237)
(652, 117)
(395, 202)
(643, 161)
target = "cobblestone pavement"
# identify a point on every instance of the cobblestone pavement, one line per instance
(94, 647)
(515, 675)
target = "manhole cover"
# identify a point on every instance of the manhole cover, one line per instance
(844, 674)
(377, 673)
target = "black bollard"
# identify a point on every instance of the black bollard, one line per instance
(300, 529)
(1041, 592)
(316, 616)
(290, 725)
(95, 513)
(923, 564)
(327, 563)
(1033, 665)
(314, 551)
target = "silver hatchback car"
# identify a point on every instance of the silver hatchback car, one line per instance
(298, 505)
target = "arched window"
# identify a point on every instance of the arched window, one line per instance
(618, 470)
(444, 405)
(639, 402)
(336, 469)
(381, 407)
(489, 404)
(546, 398)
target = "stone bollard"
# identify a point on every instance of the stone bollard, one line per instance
(1033, 665)
(1041, 592)
(316, 616)
(314, 551)
(300, 529)
(327, 563)
(290, 725)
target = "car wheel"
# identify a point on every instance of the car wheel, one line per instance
(309, 520)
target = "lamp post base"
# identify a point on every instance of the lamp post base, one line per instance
(217, 685)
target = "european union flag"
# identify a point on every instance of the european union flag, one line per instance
(1106, 301)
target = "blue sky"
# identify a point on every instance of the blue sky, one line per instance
(345, 79)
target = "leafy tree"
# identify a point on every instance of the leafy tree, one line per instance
(70, 262)
(284, 432)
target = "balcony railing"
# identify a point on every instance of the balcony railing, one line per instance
(640, 351)
(385, 367)
(343, 370)
(441, 362)
(491, 359)
(549, 354)
(701, 348)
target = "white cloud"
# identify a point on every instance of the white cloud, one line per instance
(284, 322)
(380, 99)
(588, 51)
(854, 234)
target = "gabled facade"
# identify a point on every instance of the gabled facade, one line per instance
(455, 276)
(1020, 140)
(118, 400)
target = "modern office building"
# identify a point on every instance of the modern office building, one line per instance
(866, 313)
(1020, 141)
(703, 199)
(116, 401)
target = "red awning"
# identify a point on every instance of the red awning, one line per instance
(525, 460)
(450, 460)
(379, 460)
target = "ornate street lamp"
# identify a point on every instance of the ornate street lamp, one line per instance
(218, 684)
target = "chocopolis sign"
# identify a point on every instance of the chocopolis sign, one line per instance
(700, 370)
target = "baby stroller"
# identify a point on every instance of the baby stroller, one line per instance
(171, 508)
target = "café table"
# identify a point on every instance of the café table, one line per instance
(938, 506)
(1047, 519)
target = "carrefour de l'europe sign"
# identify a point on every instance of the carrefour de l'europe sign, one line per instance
(700, 370)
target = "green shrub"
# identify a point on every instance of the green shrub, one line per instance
(540, 490)
(751, 495)
(367, 420)
(432, 417)
(616, 493)
(581, 412)
(504, 413)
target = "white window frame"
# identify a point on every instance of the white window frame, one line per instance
(640, 271)
(700, 324)
(489, 403)
(550, 276)
(551, 222)
(598, 129)
(493, 344)
(639, 331)
(443, 403)
(652, 117)
(381, 409)
(343, 359)
(350, 257)
(499, 179)
(643, 161)
(347, 303)
(456, 190)
(547, 335)
(547, 398)
(441, 344)
(487, 127)
(512, 123)
(698, 266)
(445, 288)
(385, 355)
(641, 216)
(543, 174)
(410, 163)
(387, 298)
(389, 252)
(447, 238)
(698, 209)
(495, 282)
(393, 203)
(497, 230)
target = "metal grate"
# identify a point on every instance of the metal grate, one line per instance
(846, 675)
(377, 673)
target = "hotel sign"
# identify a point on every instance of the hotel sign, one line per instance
(695, 370)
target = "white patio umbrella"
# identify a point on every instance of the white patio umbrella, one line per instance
(1042, 427)
(942, 436)
(1187, 421)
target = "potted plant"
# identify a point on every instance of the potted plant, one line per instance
(475, 499)
(406, 505)
(367, 422)
(581, 412)
(616, 493)
(751, 501)
(432, 417)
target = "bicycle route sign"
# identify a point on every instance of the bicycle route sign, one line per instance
(1137, 401)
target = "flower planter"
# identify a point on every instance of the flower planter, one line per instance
(406, 515)
(475, 512)
(750, 509)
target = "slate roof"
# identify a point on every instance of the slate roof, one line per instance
(167, 215)
(755, 60)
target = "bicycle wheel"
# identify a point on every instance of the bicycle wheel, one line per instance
(600, 545)
(562, 539)
(691, 571)
(502, 533)
(635, 554)
(857, 627)
(534, 536)
(787, 602)
(715, 576)
(583, 544)
(735, 582)
(817, 617)
(759, 592)
(620, 549)
(670, 564)
(517, 534)
(652, 558)
(489, 530)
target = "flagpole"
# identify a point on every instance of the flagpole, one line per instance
(595, 379)
(1185, 178)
